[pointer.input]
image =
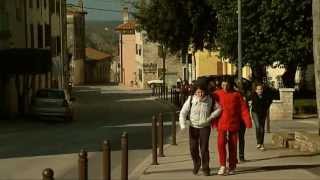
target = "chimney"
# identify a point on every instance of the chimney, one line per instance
(125, 15)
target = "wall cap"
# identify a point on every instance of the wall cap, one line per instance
(286, 89)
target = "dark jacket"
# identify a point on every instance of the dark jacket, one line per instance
(260, 105)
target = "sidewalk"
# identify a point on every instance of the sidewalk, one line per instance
(274, 163)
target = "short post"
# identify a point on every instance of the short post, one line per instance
(47, 174)
(124, 156)
(154, 141)
(174, 128)
(167, 93)
(160, 133)
(83, 165)
(171, 95)
(106, 160)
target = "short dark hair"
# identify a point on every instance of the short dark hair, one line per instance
(201, 84)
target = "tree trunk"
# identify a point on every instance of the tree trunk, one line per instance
(316, 50)
(289, 75)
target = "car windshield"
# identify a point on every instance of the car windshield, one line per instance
(50, 94)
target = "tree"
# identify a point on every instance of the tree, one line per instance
(177, 25)
(275, 33)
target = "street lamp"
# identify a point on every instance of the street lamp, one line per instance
(239, 45)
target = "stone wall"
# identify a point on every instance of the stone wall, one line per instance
(302, 141)
(283, 109)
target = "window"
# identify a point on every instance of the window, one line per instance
(140, 48)
(58, 45)
(57, 7)
(18, 10)
(137, 49)
(30, 4)
(47, 31)
(140, 74)
(53, 47)
(189, 58)
(4, 22)
(40, 36)
(38, 4)
(45, 4)
(51, 6)
(31, 36)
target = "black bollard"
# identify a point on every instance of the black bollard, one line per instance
(106, 160)
(171, 95)
(160, 133)
(47, 174)
(154, 141)
(83, 165)
(174, 128)
(124, 156)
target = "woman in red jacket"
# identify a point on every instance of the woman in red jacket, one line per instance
(234, 110)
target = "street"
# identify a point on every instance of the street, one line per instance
(101, 112)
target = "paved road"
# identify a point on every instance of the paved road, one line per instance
(101, 112)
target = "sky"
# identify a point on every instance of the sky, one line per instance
(113, 5)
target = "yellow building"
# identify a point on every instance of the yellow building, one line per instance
(208, 63)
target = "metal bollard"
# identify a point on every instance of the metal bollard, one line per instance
(106, 160)
(174, 128)
(83, 165)
(171, 95)
(166, 93)
(124, 156)
(154, 141)
(152, 91)
(160, 133)
(47, 174)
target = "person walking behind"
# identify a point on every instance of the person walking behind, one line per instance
(260, 106)
(234, 110)
(201, 110)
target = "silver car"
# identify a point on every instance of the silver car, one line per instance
(54, 103)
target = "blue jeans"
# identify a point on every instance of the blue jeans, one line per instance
(259, 122)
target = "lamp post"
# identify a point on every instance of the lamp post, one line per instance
(239, 45)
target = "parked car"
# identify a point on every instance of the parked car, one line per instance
(52, 103)
(155, 82)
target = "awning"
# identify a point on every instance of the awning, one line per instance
(25, 60)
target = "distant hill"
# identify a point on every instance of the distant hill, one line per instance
(99, 38)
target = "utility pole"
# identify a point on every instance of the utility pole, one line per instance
(239, 45)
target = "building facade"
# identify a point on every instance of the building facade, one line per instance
(140, 60)
(97, 66)
(31, 30)
(76, 42)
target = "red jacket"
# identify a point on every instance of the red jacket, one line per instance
(234, 110)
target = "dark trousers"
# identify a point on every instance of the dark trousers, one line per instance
(259, 121)
(241, 135)
(199, 137)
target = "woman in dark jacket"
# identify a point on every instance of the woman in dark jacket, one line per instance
(260, 106)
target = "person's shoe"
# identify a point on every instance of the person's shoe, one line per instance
(258, 146)
(242, 160)
(232, 172)
(206, 173)
(222, 170)
(196, 169)
(262, 148)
